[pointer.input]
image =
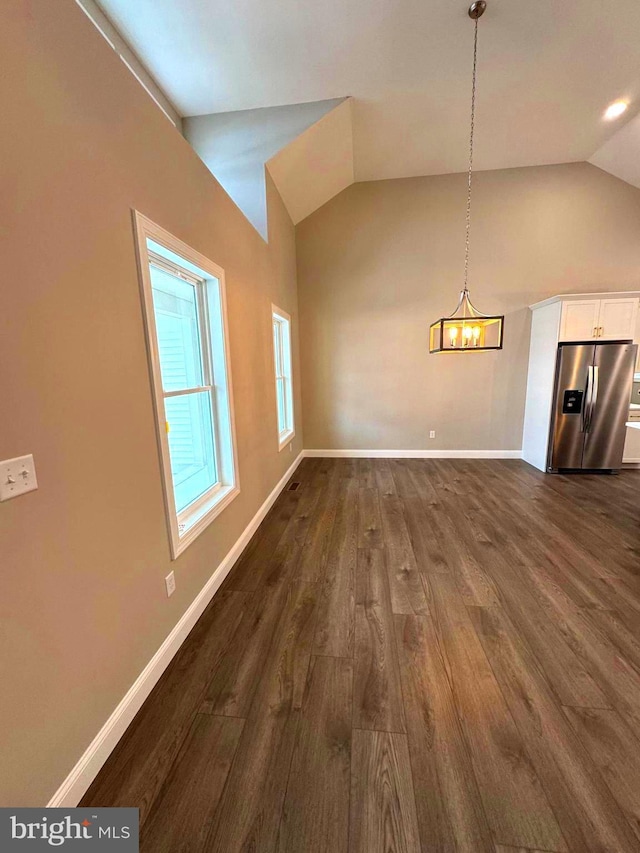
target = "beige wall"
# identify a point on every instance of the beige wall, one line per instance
(383, 260)
(83, 559)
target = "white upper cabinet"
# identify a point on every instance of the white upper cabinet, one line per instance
(599, 319)
(618, 319)
(579, 320)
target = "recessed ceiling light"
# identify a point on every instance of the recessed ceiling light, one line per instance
(616, 109)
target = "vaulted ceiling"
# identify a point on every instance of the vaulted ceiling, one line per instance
(547, 71)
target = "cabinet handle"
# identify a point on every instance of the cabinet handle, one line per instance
(595, 331)
(600, 331)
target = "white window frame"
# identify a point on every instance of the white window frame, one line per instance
(283, 321)
(156, 245)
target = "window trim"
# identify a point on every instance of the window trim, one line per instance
(206, 508)
(287, 435)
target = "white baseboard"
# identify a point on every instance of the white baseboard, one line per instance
(77, 782)
(417, 454)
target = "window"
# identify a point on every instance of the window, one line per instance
(184, 308)
(282, 363)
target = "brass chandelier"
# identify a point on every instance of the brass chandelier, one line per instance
(467, 329)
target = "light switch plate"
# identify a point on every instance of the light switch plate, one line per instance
(17, 476)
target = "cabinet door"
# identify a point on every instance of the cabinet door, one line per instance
(580, 320)
(617, 319)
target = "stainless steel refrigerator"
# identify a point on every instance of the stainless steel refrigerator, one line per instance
(591, 406)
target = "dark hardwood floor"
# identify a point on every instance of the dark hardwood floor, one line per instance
(410, 655)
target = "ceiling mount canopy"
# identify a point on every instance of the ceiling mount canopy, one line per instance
(467, 329)
(477, 9)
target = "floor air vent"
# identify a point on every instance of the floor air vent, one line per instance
(294, 487)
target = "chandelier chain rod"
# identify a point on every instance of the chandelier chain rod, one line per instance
(471, 134)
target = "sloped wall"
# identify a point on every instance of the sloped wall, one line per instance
(235, 146)
(83, 606)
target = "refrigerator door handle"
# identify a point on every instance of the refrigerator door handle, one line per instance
(587, 398)
(594, 394)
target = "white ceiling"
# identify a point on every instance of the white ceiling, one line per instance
(547, 71)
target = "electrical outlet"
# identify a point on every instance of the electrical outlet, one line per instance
(170, 582)
(432, 433)
(290, 447)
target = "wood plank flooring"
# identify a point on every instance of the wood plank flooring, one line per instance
(411, 656)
